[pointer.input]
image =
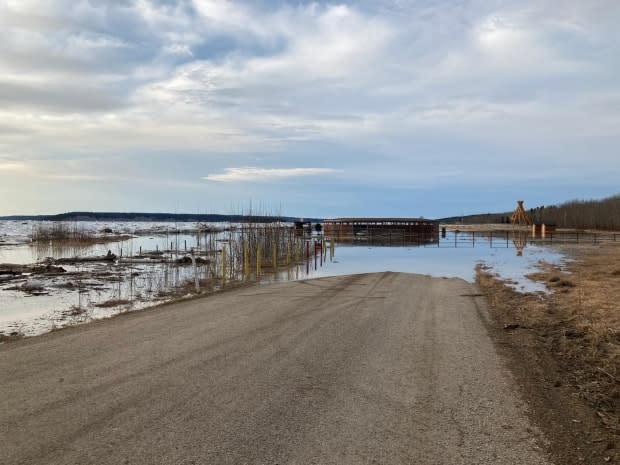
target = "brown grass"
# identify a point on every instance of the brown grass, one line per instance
(577, 323)
(70, 234)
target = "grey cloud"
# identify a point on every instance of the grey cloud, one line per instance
(7, 130)
(356, 72)
(67, 97)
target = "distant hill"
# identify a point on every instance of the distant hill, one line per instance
(481, 218)
(138, 216)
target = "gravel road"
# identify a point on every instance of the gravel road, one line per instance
(386, 368)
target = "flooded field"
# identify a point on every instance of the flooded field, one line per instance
(129, 266)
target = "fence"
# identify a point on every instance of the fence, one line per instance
(493, 239)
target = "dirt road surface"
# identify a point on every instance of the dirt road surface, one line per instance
(384, 368)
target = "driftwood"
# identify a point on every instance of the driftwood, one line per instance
(8, 269)
(141, 260)
(82, 260)
(109, 257)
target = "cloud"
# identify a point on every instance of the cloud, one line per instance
(383, 89)
(13, 166)
(252, 174)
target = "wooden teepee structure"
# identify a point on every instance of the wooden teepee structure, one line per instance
(519, 217)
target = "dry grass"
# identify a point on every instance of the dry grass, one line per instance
(60, 232)
(578, 322)
(69, 234)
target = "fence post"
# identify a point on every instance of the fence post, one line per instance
(288, 253)
(246, 261)
(223, 263)
(196, 280)
(258, 260)
(314, 254)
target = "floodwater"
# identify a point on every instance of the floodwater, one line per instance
(456, 255)
(16, 246)
(442, 261)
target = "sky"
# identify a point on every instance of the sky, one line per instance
(324, 109)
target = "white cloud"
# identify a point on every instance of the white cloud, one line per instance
(11, 166)
(253, 174)
(238, 82)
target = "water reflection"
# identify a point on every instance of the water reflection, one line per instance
(454, 257)
(141, 282)
(519, 240)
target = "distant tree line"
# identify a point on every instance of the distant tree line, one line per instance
(581, 214)
(483, 218)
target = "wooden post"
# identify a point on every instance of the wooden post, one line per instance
(246, 261)
(196, 281)
(258, 259)
(314, 253)
(288, 252)
(223, 263)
